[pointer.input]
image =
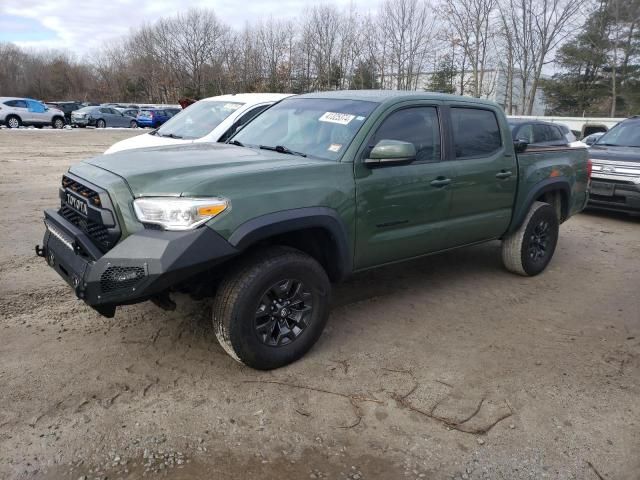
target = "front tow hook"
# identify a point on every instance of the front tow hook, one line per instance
(40, 251)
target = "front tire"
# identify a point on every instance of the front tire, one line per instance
(58, 123)
(528, 250)
(133, 124)
(101, 123)
(271, 309)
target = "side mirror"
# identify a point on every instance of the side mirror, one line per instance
(590, 140)
(391, 152)
(520, 145)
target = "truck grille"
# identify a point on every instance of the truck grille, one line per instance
(83, 190)
(98, 233)
(99, 207)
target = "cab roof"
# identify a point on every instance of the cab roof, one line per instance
(394, 96)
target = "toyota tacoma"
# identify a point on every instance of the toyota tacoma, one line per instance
(314, 189)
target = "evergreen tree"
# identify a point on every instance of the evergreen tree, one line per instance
(443, 78)
(603, 55)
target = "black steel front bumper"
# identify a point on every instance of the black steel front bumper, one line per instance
(138, 268)
(610, 195)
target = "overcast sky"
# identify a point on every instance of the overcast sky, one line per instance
(80, 25)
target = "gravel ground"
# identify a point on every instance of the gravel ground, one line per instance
(446, 367)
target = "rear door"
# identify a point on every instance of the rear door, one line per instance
(19, 107)
(400, 208)
(484, 185)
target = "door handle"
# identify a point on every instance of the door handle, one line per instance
(440, 182)
(504, 174)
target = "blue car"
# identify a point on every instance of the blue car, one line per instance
(152, 117)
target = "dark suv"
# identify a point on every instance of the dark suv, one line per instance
(67, 108)
(616, 168)
(540, 134)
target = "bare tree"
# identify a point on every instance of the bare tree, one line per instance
(407, 28)
(538, 27)
(474, 24)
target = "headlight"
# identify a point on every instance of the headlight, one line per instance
(178, 213)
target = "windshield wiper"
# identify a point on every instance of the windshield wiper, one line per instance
(236, 142)
(282, 149)
(169, 135)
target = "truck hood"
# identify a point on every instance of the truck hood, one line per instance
(180, 169)
(615, 154)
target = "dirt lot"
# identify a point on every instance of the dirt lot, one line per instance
(447, 367)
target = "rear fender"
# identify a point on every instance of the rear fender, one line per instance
(548, 185)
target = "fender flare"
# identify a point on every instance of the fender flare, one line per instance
(271, 224)
(547, 185)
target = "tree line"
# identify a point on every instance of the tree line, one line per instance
(453, 46)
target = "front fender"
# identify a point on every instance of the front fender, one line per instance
(277, 223)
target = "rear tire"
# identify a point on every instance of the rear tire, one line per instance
(528, 250)
(271, 309)
(133, 124)
(13, 121)
(101, 123)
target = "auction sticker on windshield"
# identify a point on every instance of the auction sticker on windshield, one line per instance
(334, 117)
(231, 106)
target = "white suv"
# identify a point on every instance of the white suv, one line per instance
(15, 112)
(212, 119)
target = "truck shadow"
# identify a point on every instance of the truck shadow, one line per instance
(419, 274)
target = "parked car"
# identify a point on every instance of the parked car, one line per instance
(15, 112)
(67, 108)
(616, 168)
(313, 189)
(101, 117)
(212, 119)
(129, 111)
(541, 134)
(173, 111)
(152, 117)
(591, 139)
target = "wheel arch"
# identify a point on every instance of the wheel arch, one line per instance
(556, 191)
(317, 231)
(13, 115)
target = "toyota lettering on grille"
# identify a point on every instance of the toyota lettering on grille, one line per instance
(77, 204)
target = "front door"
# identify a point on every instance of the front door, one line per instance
(485, 176)
(400, 208)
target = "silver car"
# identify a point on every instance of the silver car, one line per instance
(101, 117)
(15, 112)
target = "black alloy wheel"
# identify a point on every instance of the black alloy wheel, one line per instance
(539, 241)
(284, 312)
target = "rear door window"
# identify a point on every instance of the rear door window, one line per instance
(476, 132)
(16, 103)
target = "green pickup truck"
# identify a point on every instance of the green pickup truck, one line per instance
(316, 188)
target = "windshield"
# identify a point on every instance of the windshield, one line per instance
(198, 119)
(314, 127)
(625, 134)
